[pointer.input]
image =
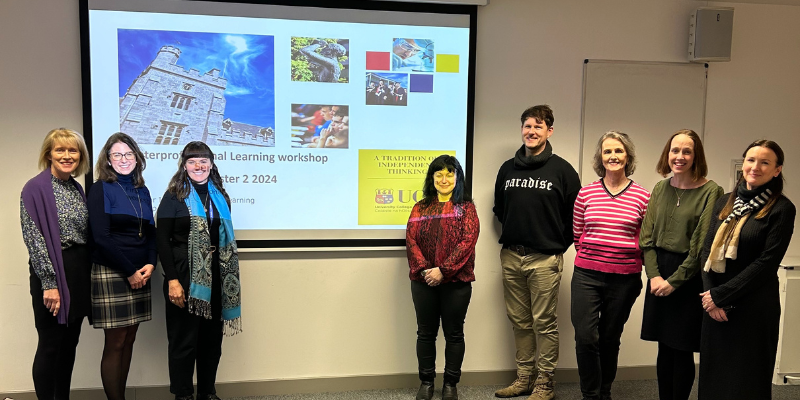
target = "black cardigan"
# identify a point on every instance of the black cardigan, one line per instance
(762, 245)
(172, 238)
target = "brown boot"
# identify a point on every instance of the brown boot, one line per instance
(520, 387)
(543, 387)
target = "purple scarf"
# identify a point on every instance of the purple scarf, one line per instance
(40, 202)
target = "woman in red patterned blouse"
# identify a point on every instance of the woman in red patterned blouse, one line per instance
(440, 238)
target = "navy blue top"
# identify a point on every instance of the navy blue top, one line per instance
(113, 209)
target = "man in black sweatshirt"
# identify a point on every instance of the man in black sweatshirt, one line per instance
(533, 199)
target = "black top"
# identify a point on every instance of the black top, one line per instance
(535, 204)
(173, 235)
(115, 210)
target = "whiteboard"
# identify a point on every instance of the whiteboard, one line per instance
(647, 100)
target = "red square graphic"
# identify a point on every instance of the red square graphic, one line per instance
(378, 60)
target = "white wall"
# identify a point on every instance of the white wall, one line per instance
(350, 314)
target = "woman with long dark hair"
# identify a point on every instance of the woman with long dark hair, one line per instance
(440, 239)
(671, 239)
(746, 241)
(123, 255)
(201, 271)
(55, 230)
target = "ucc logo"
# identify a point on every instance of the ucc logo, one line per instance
(386, 196)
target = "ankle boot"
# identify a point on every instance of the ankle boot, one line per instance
(425, 391)
(520, 387)
(449, 391)
(543, 387)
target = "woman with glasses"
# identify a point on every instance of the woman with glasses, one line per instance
(440, 240)
(55, 230)
(201, 271)
(123, 256)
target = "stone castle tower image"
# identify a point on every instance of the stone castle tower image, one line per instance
(167, 105)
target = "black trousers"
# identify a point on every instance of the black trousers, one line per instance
(54, 360)
(601, 304)
(447, 302)
(192, 340)
(55, 351)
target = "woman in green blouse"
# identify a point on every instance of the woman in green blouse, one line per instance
(671, 239)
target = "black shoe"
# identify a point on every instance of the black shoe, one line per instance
(425, 391)
(449, 392)
(189, 397)
(209, 397)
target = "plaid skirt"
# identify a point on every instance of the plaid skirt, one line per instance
(114, 303)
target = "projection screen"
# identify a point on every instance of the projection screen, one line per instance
(322, 119)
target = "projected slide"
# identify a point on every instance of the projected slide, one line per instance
(316, 125)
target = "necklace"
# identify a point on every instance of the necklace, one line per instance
(140, 215)
(679, 195)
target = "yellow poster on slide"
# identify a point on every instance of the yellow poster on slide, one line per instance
(390, 183)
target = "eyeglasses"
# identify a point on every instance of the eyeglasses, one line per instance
(118, 156)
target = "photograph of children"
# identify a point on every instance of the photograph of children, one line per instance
(320, 126)
(320, 60)
(387, 89)
(412, 55)
(177, 87)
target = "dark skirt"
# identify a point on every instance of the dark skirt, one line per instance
(737, 357)
(77, 268)
(674, 320)
(114, 303)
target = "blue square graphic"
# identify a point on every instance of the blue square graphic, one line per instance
(421, 83)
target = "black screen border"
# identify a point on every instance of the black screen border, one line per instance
(470, 10)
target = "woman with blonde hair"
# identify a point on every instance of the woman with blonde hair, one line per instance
(54, 222)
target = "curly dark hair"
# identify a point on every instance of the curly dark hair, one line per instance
(180, 184)
(429, 193)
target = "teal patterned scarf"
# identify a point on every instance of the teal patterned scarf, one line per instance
(200, 256)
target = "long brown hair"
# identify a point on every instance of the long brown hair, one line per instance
(103, 169)
(180, 184)
(777, 188)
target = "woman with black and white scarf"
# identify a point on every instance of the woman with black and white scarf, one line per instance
(745, 244)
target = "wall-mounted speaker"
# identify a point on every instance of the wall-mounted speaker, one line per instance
(710, 34)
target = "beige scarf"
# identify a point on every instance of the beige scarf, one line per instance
(726, 244)
(726, 240)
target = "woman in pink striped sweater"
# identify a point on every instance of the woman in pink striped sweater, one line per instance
(608, 265)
